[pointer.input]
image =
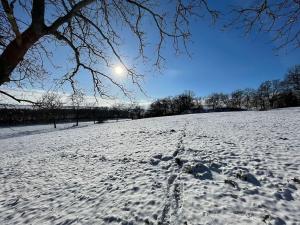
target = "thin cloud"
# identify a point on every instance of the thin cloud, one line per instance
(36, 94)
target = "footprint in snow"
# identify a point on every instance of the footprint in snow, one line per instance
(166, 158)
(158, 156)
(248, 177)
(276, 221)
(232, 183)
(284, 194)
(155, 160)
(199, 170)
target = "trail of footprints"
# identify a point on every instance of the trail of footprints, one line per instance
(171, 213)
(173, 204)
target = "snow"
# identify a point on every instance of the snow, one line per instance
(16, 131)
(215, 168)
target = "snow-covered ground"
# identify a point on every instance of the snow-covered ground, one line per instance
(16, 131)
(216, 168)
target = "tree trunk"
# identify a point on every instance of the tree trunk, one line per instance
(54, 122)
(14, 53)
(77, 118)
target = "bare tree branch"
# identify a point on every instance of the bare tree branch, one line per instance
(16, 99)
(11, 18)
(61, 20)
(279, 18)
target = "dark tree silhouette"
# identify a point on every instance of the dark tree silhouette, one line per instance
(50, 102)
(184, 101)
(237, 98)
(249, 98)
(292, 79)
(217, 101)
(274, 93)
(212, 100)
(136, 111)
(77, 99)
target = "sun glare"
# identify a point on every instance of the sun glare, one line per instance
(119, 70)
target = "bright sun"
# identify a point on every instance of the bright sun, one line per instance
(119, 70)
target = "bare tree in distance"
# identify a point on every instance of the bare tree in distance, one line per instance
(237, 98)
(213, 100)
(77, 99)
(117, 110)
(292, 79)
(136, 111)
(276, 87)
(50, 102)
(90, 29)
(249, 98)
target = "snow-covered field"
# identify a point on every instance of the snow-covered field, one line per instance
(16, 131)
(216, 168)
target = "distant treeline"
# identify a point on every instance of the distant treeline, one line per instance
(269, 95)
(17, 116)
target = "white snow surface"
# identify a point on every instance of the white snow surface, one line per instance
(215, 168)
(16, 131)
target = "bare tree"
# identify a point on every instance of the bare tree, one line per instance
(217, 100)
(249, 98)
(91, 30)
(269, 92)
(50, 102)
(275, 89)
(136, 111)
(290, 87)
(179, 104)
(198, 103)
(224, 100)
(280, 18)
(118, 110)
(264, 94)
(184, 101)
(237, 98)
(213, 101)
(77, 99)
(292, 79)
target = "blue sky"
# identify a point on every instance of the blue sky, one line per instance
(221, 61)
